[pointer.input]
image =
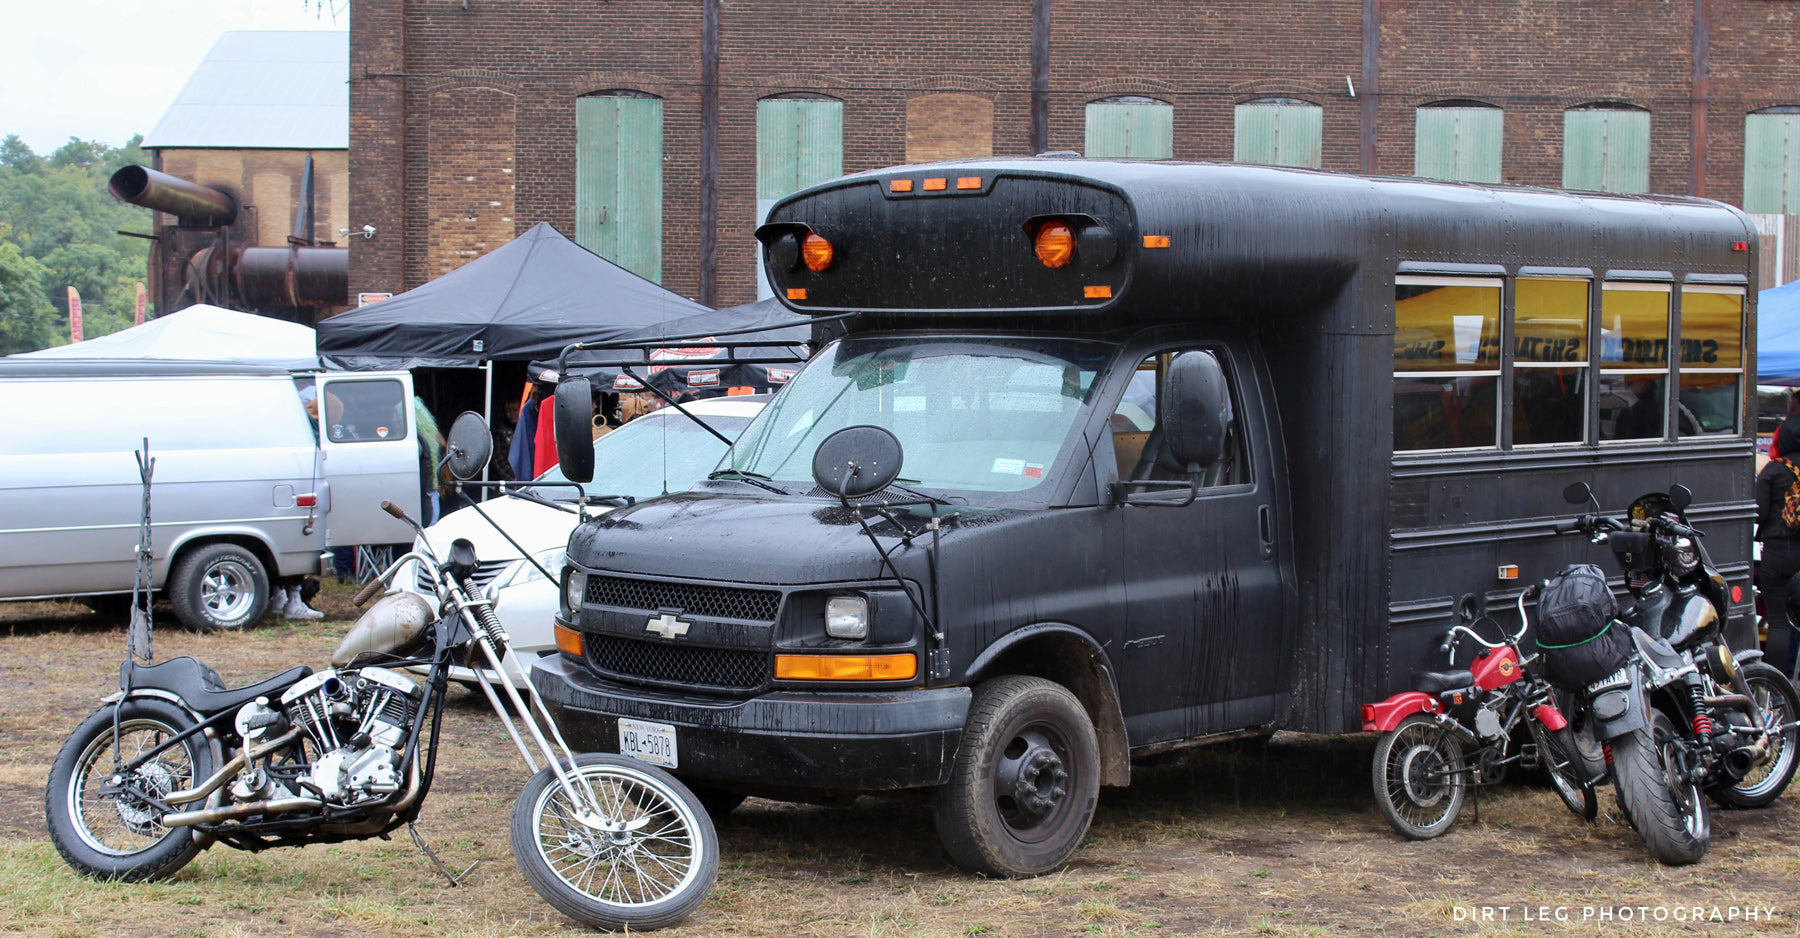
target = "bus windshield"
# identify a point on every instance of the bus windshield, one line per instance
(972, 414)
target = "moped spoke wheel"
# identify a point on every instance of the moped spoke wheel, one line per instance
(1556, 750)
(97, 810)
(642, 854)
(1419, 778)
(1769, 775)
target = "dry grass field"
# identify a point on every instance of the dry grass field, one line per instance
(1258, 839)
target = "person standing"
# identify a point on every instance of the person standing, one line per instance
(1780, 544)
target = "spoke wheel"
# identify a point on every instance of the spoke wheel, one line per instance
(1419, 777)
(1779, 706)
(98, 816)
(1556, 750)
(644, 859)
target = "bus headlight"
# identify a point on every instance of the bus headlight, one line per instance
(574, 588)
(847, 617)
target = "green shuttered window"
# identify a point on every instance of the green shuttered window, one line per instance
(1772, 161)
(1278, 132)
(1606, 149)
(799, 143)
(1460, 142)
(618, 180)
(1130, 128)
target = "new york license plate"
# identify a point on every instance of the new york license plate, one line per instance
(652, 742)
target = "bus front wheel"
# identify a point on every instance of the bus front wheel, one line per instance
(1025, 782)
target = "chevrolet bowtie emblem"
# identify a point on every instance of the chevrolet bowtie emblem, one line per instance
(667, 626)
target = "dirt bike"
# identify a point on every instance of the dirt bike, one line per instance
(1456, 729)
(1684, 716)
(177, 761)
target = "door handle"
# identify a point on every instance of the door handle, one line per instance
(1265, 520)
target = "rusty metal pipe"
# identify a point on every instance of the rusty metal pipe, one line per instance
(294, 276)
(191, 202)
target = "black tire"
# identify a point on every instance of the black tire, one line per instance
(562, 858)
(1667, 810)
(1780, 706)
(108, 837)
(218, 587)
(1419, 777)
(1558, 756)
(1025, 782)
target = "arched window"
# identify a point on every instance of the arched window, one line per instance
(1772, 160)
(1130, 127)
(1457, 139)
(1606, 148)
(619, 179)
(1278, 132)
(799, 143)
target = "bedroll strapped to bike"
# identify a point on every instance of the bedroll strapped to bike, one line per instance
(1577, 631)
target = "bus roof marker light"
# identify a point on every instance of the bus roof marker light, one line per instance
(1054, 243)
(1156, 241)
(817, 252)
(968, 182)
(900, 185)
(936, 184)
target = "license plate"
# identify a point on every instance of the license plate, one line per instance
(652, 742)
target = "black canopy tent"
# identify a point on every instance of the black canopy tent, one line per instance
(524, 301)
(757, 344)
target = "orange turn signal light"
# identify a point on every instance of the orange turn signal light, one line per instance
(568, 641)
(816, 252)
(1097, 292)
(796, 293)
(1156, 241)
(846, 667)
(1055, 243)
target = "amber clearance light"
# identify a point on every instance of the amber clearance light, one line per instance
(845, 667)
(1055, 244)
(568, 641)
(816, 251)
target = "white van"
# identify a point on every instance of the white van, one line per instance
(245, 491)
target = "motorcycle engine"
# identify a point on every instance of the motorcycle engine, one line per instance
(357, 720)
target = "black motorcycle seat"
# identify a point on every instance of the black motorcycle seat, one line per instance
(201, 687)
(1436, 682)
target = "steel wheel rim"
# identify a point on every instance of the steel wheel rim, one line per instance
(1775, 713)
(1419, 779)
(629, 868)
(1557, 761)
(171, 771)
(227, 590)
(1032, 782)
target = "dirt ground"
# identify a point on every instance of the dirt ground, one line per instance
(1277, 838)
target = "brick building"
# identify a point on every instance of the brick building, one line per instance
(655, 131)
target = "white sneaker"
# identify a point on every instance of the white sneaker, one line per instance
(278, 603)
(297, 608)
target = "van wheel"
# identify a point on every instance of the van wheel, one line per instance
(1025, 782)
(219, 587)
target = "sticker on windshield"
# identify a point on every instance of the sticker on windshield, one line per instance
(1034, 470)
(1011, 467)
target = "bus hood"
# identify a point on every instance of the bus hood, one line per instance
(743, 539)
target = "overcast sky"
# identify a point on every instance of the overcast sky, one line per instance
(106, 69)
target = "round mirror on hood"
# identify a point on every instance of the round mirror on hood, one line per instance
(857, 461)
(470, 445)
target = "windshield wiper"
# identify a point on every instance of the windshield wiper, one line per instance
(757, 479)
(621, 501)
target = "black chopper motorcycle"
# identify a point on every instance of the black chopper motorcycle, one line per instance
(1684, 716)
(177, 761)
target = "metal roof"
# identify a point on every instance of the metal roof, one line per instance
(264, 89)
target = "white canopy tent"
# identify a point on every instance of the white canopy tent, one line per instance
(202, 332)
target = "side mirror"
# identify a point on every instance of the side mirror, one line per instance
(1196, 410)
(575, 428)
(470, 445)
(857, 461)
(1680, 496)
(1577, 493)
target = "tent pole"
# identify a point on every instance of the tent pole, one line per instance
(487, 408)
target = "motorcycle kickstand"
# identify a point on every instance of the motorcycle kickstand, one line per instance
(454, 878)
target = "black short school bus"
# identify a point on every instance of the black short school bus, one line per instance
(1400, 376)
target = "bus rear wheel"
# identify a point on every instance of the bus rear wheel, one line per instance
(1025, 782)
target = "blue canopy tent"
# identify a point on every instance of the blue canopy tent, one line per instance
(1778, 335)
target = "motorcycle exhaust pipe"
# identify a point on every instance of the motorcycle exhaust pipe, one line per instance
(1741, 761)
(1729, 701)
(214, 815)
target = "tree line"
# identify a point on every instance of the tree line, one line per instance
(59, 229)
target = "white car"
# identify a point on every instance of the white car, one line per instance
(655, 454)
